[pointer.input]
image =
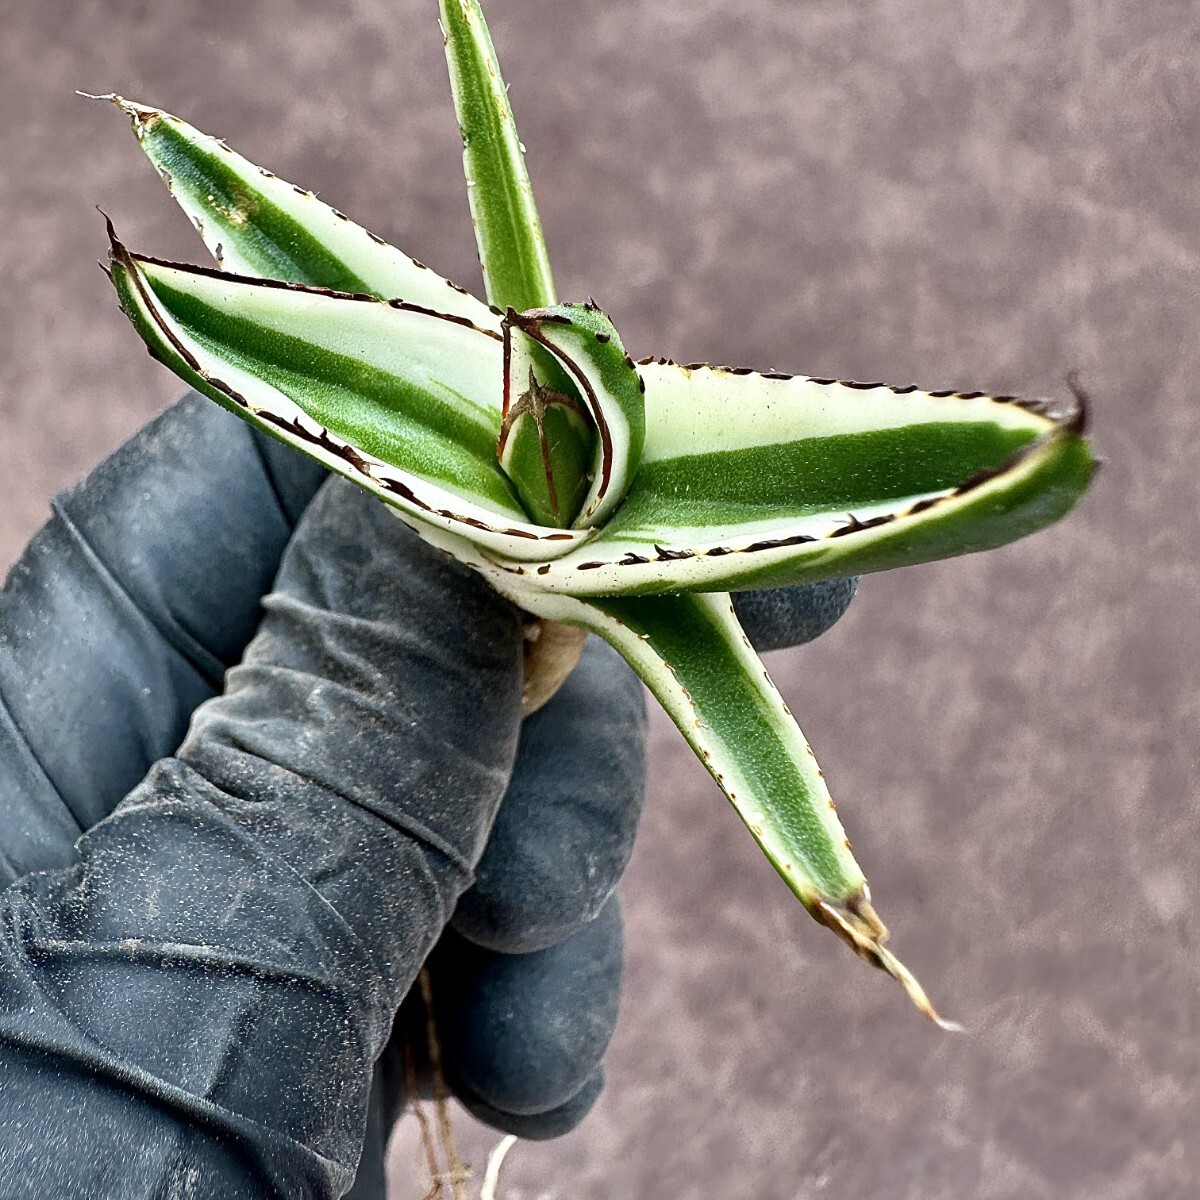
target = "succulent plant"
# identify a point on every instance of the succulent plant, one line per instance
(625, 499)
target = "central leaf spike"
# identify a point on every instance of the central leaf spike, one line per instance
(544, 448)
(586, 349)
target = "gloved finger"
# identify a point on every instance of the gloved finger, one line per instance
(565, 829)
(541, 1127)
(522, 1035)
(125, 611)
(534, 959)
(777, 617)
(262, 903)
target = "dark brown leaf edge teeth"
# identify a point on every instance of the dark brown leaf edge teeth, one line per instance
(119, 253)
(123, 254)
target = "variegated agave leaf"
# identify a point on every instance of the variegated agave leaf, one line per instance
(401, 399)
(258, 225)
(603, 495)
(750, 480)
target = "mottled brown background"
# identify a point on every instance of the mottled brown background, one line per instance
(985, 194)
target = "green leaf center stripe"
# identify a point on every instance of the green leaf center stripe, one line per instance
(414, 420)
(692, 654)
(353, 413)
(1039, 483)
(270, 239)
(819, 476)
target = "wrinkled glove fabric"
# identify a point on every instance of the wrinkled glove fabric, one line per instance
(294, 865)
(120, 618)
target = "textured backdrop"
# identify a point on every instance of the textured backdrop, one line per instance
(981, 194)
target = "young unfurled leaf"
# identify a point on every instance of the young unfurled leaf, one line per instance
(582, 339)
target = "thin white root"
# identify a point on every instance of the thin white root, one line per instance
(491, 1177)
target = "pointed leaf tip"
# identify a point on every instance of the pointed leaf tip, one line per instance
(141, 115)
(117, 251)
(858, 925)
(256, 224)
(1080, 421)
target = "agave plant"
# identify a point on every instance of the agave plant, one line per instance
(600, 495)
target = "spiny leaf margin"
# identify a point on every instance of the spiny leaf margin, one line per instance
(418, 499)
(1030, 488)
(254, 223)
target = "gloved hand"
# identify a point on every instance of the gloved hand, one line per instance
(191, 999)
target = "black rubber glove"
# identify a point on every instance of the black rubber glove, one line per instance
(121, 618)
